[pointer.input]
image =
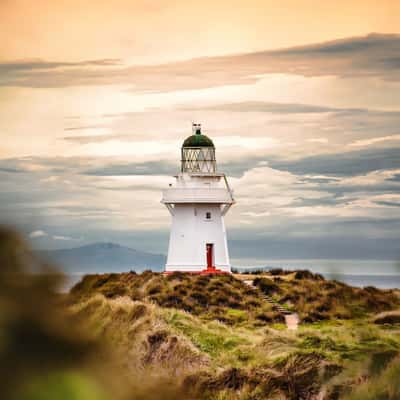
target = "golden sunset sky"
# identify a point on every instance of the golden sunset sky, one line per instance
(164, 31)
(301, 98)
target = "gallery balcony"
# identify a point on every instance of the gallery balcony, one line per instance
(196, 195)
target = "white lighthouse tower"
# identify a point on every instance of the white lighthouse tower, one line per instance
(198, 201)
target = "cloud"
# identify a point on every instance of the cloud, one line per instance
(303, 248)
(37, 234)
(330, 141)
(284, 204)
(343, 164)
(395, 178)
(59, 237)
(86, 139)
(29, 65)
(83, 127)
(318, 140)
(387, 200)
(146, 168)
(43, 234)
(374, 55)
(369, 142)
(264, 107)
(11, 170)
(132, 182)
(322, 166)
(274, 203)
(51, 169)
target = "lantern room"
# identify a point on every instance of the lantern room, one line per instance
(198, 153)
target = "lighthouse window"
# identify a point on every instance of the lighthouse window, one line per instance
(208, 215)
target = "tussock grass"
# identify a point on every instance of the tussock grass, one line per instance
(388, 318)
(297, 376)
(128, 336)
(242, 362)
(221, 298)
(214, 338)
(316, 299)
(136, 333)
(382, 386)
(229, 300)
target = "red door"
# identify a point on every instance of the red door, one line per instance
(210, 255)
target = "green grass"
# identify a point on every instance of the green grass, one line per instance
(348, 340)
(221, 298)
(226, 332)
(316, 299)
(146, 337)
(331, 353)
(64, 385)
(214, 338)
(385, 386)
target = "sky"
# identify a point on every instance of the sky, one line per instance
(301, 98)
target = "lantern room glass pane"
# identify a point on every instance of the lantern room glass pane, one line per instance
(198, 160)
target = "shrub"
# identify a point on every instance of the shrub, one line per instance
(221, 299)
(153, 289)
(202, 281)
(114, 290)
(390, 317)
(270, 317)
(329, 285)
(252, 304)
(179, 276)
(233, 304)
(199, 297)
(266, 285)
(305, 274)
(276, 271)
(102, 280)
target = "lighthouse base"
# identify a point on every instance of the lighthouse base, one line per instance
(206, 271)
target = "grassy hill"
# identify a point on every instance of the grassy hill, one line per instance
(220, 339)
(228, 299)
(221, 348)
(221, 298)
(148, 336)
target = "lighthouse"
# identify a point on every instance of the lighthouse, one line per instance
(197, 201)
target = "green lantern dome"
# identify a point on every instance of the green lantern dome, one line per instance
(198, 139)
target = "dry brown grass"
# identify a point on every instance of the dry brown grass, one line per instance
(388, 317)
(139, 337)
(211, 297)
(316, 299)
(111, 340)
(299, 376)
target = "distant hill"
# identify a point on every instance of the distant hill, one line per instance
(103, 257)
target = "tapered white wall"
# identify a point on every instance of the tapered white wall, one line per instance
(190, 232)
(189, 199)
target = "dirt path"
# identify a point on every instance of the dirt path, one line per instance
(291, 319)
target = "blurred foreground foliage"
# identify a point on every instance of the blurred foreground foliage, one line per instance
(44, 353)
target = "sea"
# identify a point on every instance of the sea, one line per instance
(381, 274)
(384, 274)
